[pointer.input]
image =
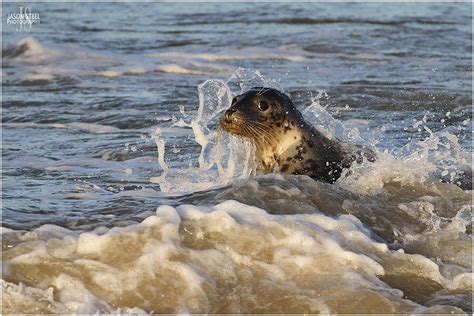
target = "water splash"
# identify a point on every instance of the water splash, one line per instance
(318, 115)
(243, 79)
(224, 158)
(437, 158)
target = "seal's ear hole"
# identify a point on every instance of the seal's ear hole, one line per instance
(263, 105)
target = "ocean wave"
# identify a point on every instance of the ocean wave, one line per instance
(435, 158)
(224, 258)
(154, 210)
(343, 20)
(237, 54)
(66, 65)
(28, 49)
(84, 127)
(323, 20)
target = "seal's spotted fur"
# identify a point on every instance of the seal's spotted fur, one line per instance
(285, 142)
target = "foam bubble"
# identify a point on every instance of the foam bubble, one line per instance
(228, 257)
(29, 50)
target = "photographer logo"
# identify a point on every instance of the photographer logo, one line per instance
(24, 19)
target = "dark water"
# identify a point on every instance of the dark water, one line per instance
(86, 89)
(390, 64)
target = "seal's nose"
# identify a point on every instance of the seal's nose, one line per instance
(228, 115)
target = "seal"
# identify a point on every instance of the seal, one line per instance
(284, 141)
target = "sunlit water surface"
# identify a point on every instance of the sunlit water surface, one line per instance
(120, 196)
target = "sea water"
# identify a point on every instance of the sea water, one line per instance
(120, 194)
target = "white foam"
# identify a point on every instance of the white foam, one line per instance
(217, 160)
(30, 50)
(417, 163)
(40, 64)
(85, 127)
(241, 54)
(89, 243)
(177, 258)
(76, 297)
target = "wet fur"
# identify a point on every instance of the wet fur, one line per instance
(284, 141)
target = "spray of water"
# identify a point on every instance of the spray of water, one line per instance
(224, 158)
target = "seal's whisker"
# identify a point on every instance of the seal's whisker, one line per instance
(264, 138)
(262, 129)
(260, 134)
(261, 124)
(250, 131)
(262, 91)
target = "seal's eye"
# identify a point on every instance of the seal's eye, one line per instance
(234, 100)
(263, 105)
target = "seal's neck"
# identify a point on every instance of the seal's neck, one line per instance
(283, 145)
(296, 145)
(288, 141)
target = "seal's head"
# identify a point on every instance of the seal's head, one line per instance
(284, 141)
(259, 114)
(278, 130)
